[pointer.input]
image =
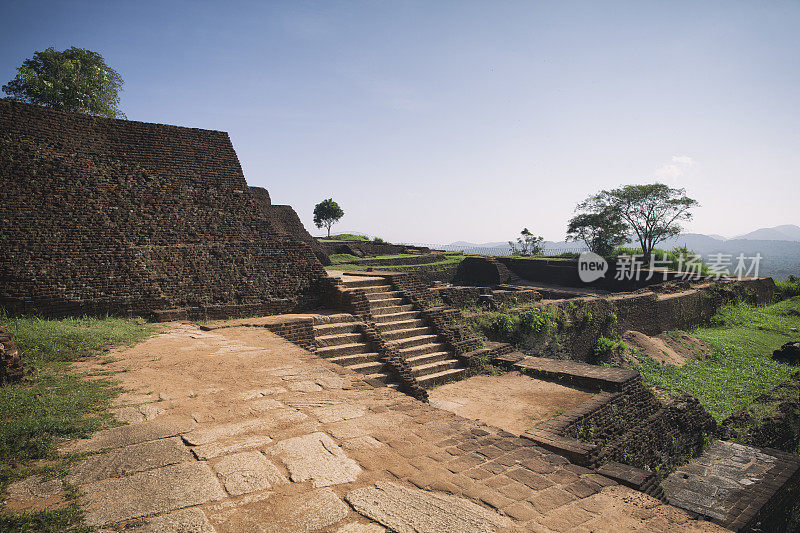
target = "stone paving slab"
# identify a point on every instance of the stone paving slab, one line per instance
(269, 420)
(216, 449)
(184, 521)
(151, 492)
(128, 460)
(316, 458)
(298, 513)
(417, 511)
(134, 434)
(247, 472)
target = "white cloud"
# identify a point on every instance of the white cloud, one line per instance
(677, 167)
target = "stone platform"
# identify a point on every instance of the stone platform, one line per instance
(240, 430)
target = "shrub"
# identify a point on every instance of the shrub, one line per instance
(504, 325)
(378, 240)
(534, 321)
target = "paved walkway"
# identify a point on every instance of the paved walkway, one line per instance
(238, 430)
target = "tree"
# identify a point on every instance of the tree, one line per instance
(327, 213)
(602, 231)
(76, 80)
(528, 244)
(653, 211)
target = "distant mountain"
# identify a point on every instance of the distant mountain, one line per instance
(786, 232)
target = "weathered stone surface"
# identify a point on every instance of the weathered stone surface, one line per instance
(137, 413)
(418, 511)
(788, 353)
(299, 513)
(184, 521)
(247, 472)
(316, 458)
(151, 492)
(269, 420)
(336, 413)
(358, 527)
(215, 449)
(133, 434)
(34, 493)
(128, 460)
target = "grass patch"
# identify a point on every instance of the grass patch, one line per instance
(344, 237)
(53, 403)
(742, 338)
(448, 260)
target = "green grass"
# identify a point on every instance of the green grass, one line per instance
(344, 237)
(53, 403)
(742, 338)
(448, 260)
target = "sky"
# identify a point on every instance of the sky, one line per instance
(437, 121)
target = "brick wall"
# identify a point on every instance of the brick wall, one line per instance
(103, 215)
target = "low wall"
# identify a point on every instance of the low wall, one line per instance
(368, 248)
(464, 297)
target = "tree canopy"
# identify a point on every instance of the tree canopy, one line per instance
(327, 213)
(75, 79)
(602, 231)
(528, 244)
(653, 212)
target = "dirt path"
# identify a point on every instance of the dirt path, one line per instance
(511, 401)
(239, 430)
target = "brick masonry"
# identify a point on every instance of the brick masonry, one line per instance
(104, 215)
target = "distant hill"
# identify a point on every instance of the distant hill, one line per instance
(780, 257)
(786, 232)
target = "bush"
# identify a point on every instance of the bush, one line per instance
(789, 288)
(504, 325)
(604, 348)
(378, 240)
(534, 321)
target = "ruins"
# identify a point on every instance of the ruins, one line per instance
(317, 412)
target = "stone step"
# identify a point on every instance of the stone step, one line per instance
(427, 358)
(385, 327)
(391, 310)
(356, 358)
(423, 349)
(336, 318)
(433, 368)
(378, 296)
(377, 289)
(398, 334)
(380, 376)
(453, 374)
(334, 329)
(374, 367)
(394, 317)
(408, 342)
(338, 339)
(343, 349)
(364, 283)
(386, 302)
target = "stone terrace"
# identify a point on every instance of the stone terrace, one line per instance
(237, 429)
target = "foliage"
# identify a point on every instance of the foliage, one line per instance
(534, 321)
(742, 338)
(75, 79)
(345, 237)
(54, 403)
(604, 348)
(789, 288)
(528, 244)
(327, 213)
(449, 259)
(602, 231)
(652, 211)
(378, 240)
(680, 259)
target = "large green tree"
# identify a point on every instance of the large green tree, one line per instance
(75, 79)
(653, 212)
(602, 231)
(327, 213)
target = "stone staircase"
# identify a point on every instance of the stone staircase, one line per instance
(401, 327)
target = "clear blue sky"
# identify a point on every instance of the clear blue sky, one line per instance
(436, 121)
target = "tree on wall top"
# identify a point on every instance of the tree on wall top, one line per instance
(327, 213)
(75, 79)
(653, 212)
(602, 231)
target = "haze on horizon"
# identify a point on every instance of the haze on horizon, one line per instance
(443, 121)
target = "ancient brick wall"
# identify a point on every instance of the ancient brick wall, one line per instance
(103, 215)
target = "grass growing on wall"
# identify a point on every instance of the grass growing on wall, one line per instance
(449, 259)
(53, 403)
(742, 338)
